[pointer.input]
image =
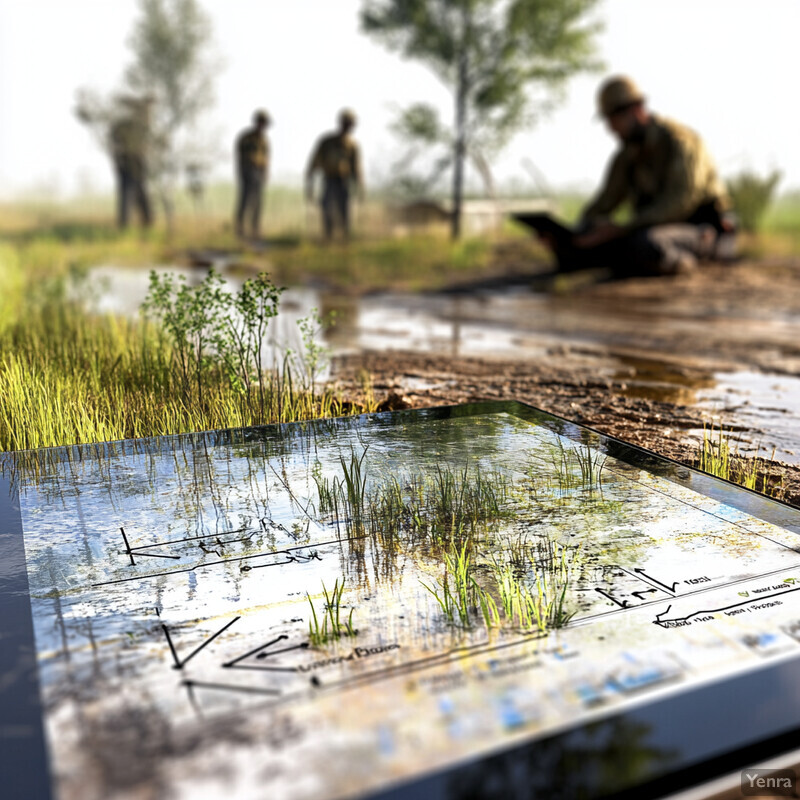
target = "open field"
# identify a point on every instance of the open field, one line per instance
(67, 375)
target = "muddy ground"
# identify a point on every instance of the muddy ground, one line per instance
(622, 357)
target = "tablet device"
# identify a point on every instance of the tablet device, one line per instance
(478, 601)
(545, 224)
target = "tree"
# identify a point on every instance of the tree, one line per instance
(173, 65)
(170, 43)
(490, 54)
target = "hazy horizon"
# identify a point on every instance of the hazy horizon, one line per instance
(716, 65)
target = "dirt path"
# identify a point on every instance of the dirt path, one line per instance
(682, 330)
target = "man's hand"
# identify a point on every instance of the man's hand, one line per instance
(600, 234)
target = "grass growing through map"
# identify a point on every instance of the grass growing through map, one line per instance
(566, 470)
(460, 595)
(451, 511)
(332, 625)
(533, 599)
(577, 467)
(442, 505)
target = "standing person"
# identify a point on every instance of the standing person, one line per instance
(665, 173)
(337, 156)
(252, 171)
(129, 136)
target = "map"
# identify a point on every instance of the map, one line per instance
(330, 609)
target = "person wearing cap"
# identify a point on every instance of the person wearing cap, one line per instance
(128, 139)
(252, 170)
(337, 157)
(666, 176)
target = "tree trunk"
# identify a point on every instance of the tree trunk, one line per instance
(461, 132)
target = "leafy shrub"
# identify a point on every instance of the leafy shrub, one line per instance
(751, 195)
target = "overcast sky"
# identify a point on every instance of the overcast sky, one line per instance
(728, 68)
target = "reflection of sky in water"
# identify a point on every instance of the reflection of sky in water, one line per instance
(230, 552)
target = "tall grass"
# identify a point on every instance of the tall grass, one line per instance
(68, 376)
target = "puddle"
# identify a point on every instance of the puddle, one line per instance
(760, 411)
(652, 379)
(519, 324)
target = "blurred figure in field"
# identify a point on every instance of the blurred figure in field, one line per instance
(337, 156)
(666, 176)
(196, 185)
(129, 135)
(252, 171)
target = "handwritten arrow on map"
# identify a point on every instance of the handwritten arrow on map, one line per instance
(623, 604)
(180, 663)
(645, 576)
(638, 595)
(263, 653)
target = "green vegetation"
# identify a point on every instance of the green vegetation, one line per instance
(382, 256)
(332, 626)
(460, 593)
(573, 468)
(451, 511)
(530, 598)
(440, 506)
(751, 195)
(717, 457)
(70, 376)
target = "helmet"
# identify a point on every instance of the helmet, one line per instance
(261, 117)
(347, 118)
(617, 93)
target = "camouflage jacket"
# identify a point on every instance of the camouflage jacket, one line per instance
(338, 157)
(252, 151)
(666, 176)
(128, 137)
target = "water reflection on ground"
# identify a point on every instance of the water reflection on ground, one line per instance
(519, 324)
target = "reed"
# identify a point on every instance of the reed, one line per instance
(459, 596)
(718, 455)
(332, 626)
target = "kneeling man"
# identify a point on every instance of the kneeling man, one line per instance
(664, 172)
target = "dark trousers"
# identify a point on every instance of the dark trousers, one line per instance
(251, 190)
(649, 251)
(336, 204)
(131, 191)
